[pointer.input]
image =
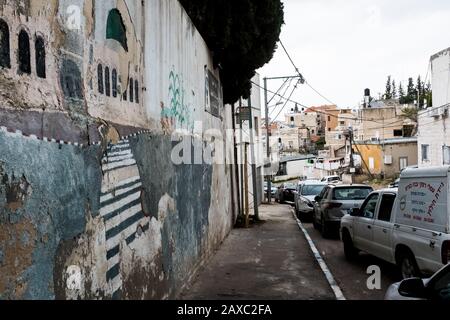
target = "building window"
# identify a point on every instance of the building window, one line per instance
(403, 163)
(124, 96)
(107, 82)
(115, 28)
(398, 133)
(101, 87)
(342, 123)
(329, 129)
(136, 90)
(131, 90)
(24, 53)
(40, 57)
(446, 155)
(5, 57)
(425, 152)
(329, 118)
(114, 83)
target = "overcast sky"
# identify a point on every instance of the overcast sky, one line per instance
(344, 46)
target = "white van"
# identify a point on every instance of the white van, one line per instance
(408, 226)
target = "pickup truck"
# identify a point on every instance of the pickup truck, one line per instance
(391, 225)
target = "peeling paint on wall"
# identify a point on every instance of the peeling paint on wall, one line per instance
(91, 204)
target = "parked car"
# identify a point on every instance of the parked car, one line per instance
(408, 226)
(334, 202)
(305, 198)
(436, 288)
(286, 193)
(331, 179)
(273, 190)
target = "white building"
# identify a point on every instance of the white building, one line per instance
(434, 123)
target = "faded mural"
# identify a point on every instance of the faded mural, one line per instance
(91, 205)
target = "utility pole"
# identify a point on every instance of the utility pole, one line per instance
(245, 173)
(253, 159)
(352, 162)
(269, 180)
(269, 177)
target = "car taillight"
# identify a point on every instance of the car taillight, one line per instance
(332, 205)
(446, 252)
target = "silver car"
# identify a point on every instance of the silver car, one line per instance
(334, 202)
(436, 288)
(305, 198)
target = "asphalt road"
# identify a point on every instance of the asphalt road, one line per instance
(352, 276)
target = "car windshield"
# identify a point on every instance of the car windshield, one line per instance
(290, 186)
(312, 190)
(351, 193)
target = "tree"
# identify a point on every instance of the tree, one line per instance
(388, 92)
(401, 94)
(394, 90)
(420, 92)
(428, 95)
(412, 114)
(411, 94)
(242, 35)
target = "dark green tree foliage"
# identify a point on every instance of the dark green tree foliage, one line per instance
(394, 90)
(401, 93)
(388, 93)
(242, 35)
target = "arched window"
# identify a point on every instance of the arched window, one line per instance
(5, 57)
(24, 53)
(107, 82)
(131, 90)
(136, 90)
(115, 28)
(71, 80)
(114, 83)
(101, 87)
(40, 57)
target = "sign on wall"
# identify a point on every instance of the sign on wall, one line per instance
(212, 94)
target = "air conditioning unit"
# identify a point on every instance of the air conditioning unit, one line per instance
(388, 159)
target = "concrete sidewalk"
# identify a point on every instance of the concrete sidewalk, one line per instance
(270, 261)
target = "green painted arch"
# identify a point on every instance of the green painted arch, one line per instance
(115, 28)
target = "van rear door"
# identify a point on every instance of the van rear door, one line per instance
(422, 215)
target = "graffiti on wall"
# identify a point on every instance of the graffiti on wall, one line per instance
(179, 112)
(121, 207)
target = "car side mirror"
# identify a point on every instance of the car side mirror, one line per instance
(412, 288)
(317, 199)
(355, 212)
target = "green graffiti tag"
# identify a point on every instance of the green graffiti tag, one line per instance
(178, 108)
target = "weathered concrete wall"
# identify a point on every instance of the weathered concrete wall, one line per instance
(91, 204)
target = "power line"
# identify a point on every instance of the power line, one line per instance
(284, 83)
(301, 76)
(302, 79)
(293, 90)
(323, 112)
(280, 100)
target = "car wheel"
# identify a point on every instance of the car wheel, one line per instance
(349, 249)
(408, 265)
